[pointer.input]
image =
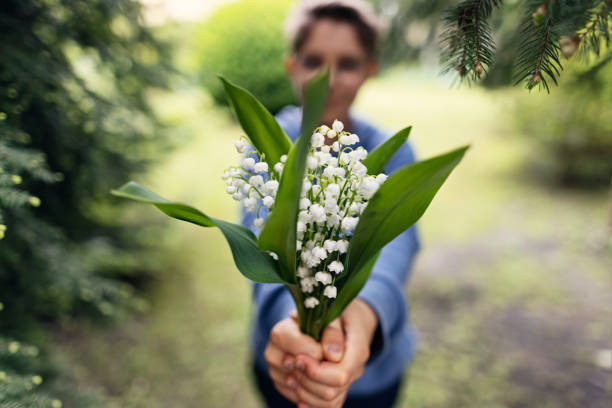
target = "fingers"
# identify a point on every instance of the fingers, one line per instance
(321, 391)
(286, 336)
(335, 398)
(285, 383)
(289, 394)
(332, 341)
(294, 315)
(274, 356)
(326, 373)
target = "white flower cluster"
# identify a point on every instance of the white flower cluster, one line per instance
(335, 191)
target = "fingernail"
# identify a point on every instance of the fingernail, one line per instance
(289, 365)
(291, 384)
(334, 349)
(301, 366)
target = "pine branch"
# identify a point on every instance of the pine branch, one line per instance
(538, 57)
(467, 41)
(589, 39)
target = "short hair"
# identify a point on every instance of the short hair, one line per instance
(359, 14)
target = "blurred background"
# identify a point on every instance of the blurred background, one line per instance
(108, 304)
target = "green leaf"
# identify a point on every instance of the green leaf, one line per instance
(398, 204)
(349, 290)
(254, 264)
(279, 232)
(260, 126)
(378, 158)
(135, 191)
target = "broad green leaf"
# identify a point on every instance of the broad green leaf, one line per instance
(349, 290)
(378, 158)
(254, 264)
(279, 232)
(135, 191)
(260, 126)
(398, 204)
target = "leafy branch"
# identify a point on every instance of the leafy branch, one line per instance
(539, 52)
(588, 39)
(467, 41)
(548, 30)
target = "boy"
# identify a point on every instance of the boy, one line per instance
(362, 355)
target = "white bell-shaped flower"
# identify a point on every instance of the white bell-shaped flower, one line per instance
(330, 291)
(323, 277)
(261, 167)
(338, 126)
(317, 140)
(335, 267)
(248, 163)
(240, 146)
(311, 302)
(307, 284)
(268, 201)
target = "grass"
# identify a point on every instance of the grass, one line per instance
(511, 292)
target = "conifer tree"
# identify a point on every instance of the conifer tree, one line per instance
(549, 30)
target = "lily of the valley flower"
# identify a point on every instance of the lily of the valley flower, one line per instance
(335, 191)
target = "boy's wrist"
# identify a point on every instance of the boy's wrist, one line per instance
(361, 313)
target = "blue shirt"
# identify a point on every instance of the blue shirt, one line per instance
(393, 344)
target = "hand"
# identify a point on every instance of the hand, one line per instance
(287, 341)
(325, 383)
(322, 384)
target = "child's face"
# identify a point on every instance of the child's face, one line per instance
(335, 45)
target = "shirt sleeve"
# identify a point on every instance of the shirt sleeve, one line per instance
(384, 290)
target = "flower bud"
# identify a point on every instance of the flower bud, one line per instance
(479, 69)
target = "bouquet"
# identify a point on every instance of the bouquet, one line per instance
(324, 211)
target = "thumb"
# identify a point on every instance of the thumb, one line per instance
(332, 341)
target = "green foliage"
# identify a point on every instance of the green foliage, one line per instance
(572, 128)
(19, 382)
(242, 41)
(17, 162)
(549, 29)
(74, 121)
(397, 204)
(250, 260)
(72, 99)
(279, 233)
(278, 236)
(467, 40)
(264, 132)
(378, 158)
